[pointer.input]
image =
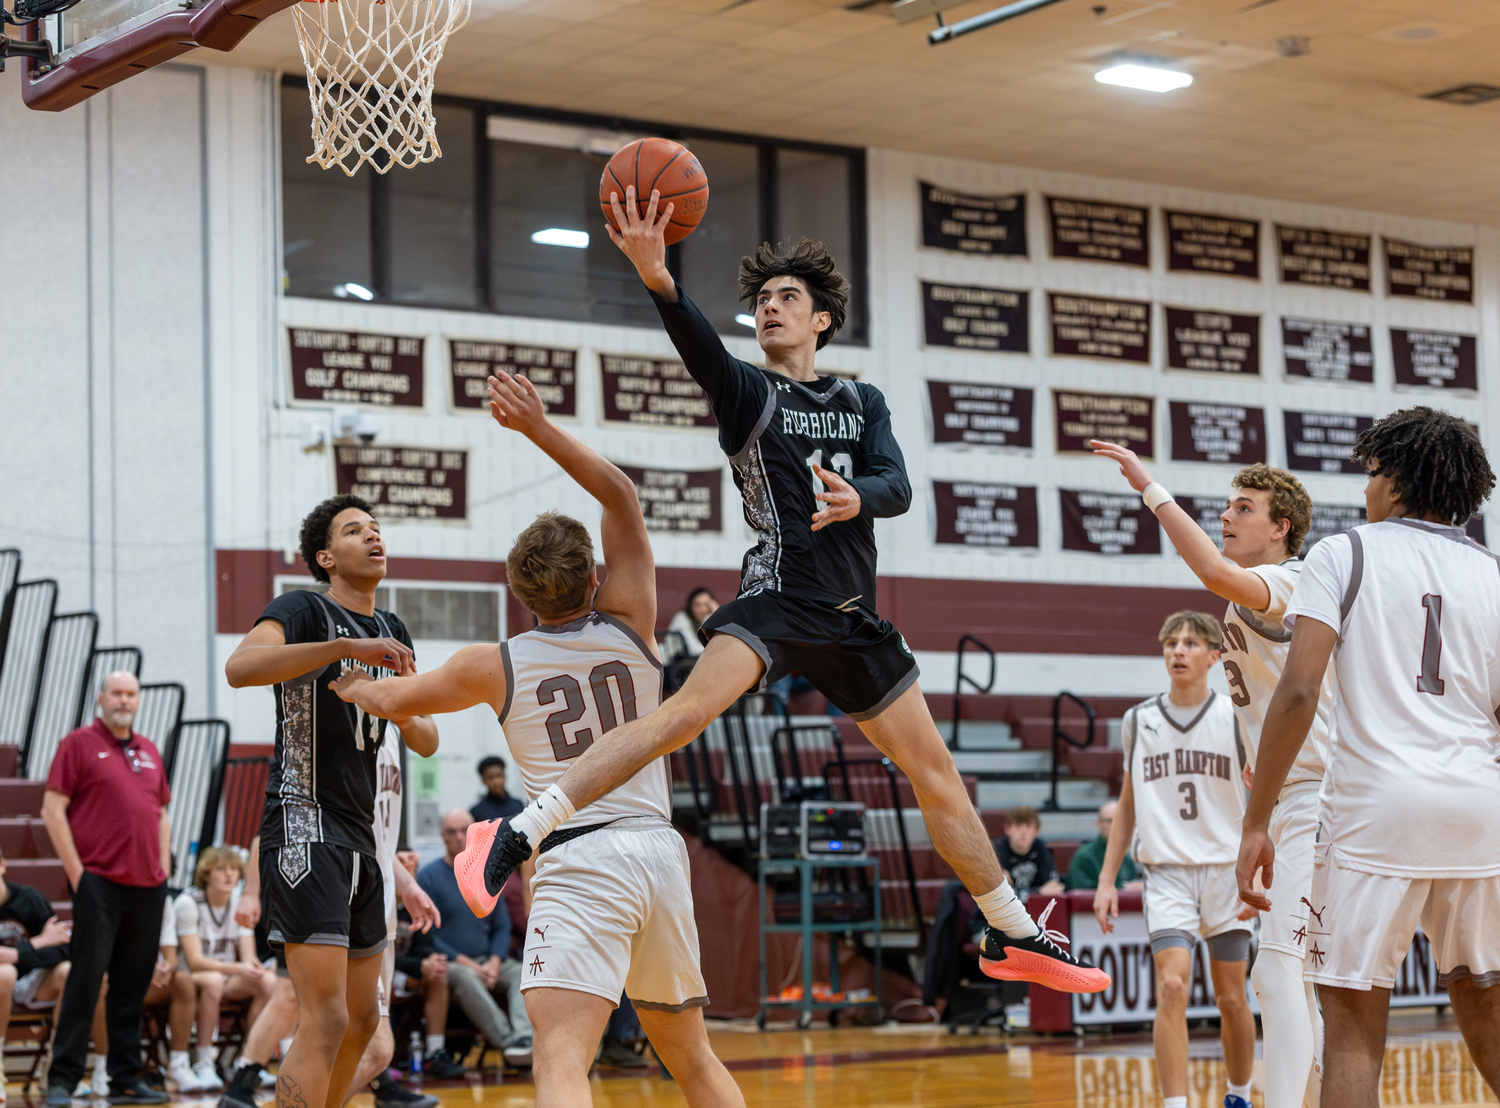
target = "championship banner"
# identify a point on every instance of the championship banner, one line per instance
(405, 482)
(679, 499)
(1100, 231)
(1108, 523)
(1331, 519)
(1219, 244)
(1324, 259)
(1080, 416)
(1429, 272)
(1096, 327)
(1437, 359)
(1319, 442)
(552, 371)
(980, 415)
(1227, 433)
(1215, 342)
(976, 318)
(973, 224)
(356, 367)
(971, 513)
(652, 391)
(1328, 351)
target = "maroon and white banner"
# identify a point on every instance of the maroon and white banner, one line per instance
(1437, 359)
(1220, 244)
(356, 367)
(976, 318)
(1215, 342)
(1324, 259)
(971, 513)
(405, 482)
(1328, 351)
(1108, 523)
(1096, 327)
(554, 372)
(652, 391)
(1429, 272)
(1225, 433)
(1319, 442)
(1100, 231)
(980, 415)
(679, 499)
(1127, 420)
(973, 224)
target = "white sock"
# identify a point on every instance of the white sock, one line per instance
(285, 1045)
(1005, 912)
(1174, 1102)
(179, 1058)
(1241, 1091)
(207, 1054)
(542, 815)
(1286, 1026)
(1314, 1095)
(435, 1044)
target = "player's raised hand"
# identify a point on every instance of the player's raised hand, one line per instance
(384, 653)
(1106, 907)
(515, 403)
(1257, 855)
(642, 239)
(841, 497)
(1130, 466)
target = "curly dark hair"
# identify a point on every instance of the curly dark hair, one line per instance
(314, 535)
(1434, 459)
(1289, 500)
(811, 264)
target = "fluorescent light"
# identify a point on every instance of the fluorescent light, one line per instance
(349, 288)
(1148, 78)
(745, 320)
(558, 236)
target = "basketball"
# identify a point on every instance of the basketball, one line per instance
(664, 165)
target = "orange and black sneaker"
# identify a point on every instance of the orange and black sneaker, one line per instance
(493, 850)
(1040, 959)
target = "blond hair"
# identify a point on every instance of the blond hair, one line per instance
(1202, 623)
(1289, 500)
(551, 565)
(211, 859)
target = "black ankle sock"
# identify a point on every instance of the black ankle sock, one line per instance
(246, 1075)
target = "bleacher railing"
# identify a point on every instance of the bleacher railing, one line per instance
(159, 717)
(1060, 735)
(873, 783)
(196, 770)
(24, 627)
(960, 679)
(70, 645)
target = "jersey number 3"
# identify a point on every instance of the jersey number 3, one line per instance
(566, 746)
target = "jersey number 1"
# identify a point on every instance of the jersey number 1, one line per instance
(840, 463)
(1428, 680)
(565, 746)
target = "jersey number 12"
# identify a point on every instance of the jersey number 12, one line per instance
(565, 746)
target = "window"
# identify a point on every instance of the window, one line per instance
(458, 232)
(469, 615)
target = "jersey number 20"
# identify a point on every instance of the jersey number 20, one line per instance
(566, 746)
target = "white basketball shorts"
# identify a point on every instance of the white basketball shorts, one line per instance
(612, 913)
(387, 961)
(1294, 830)
(1363, 924)
(1197, 900)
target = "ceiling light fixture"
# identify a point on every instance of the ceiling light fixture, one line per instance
(1147, 78)
(560, 236)
(745, 320)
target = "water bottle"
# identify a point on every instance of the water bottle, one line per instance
(416, 1056)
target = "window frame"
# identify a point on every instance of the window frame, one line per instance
(380, 199)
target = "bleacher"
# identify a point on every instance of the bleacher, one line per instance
(51, 670)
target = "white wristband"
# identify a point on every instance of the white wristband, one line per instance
(1155, 496)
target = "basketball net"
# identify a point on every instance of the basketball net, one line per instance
(370, 68)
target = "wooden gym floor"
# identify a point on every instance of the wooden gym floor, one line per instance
(1426, 1064)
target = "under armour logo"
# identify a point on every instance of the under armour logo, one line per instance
(783, 386)
(536, 964)
(345, 631)
(1317, 915)
(542, 931)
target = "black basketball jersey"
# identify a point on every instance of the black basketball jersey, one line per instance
(775, 430)
(322, 783)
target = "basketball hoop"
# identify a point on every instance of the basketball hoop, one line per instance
(370, 68)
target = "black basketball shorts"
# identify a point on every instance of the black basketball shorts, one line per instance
(325, 895)
(857, 660)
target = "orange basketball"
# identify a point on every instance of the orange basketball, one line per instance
(664, 165)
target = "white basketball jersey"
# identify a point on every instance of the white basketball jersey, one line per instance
(565, 689)
(1255, 646)
(218, 933)
(388, 800)
(1414, 782)
(1189, 794)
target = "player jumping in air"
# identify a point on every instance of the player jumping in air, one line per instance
(1265, 520)
(1408, 607)
(611, 905)
(816, 464)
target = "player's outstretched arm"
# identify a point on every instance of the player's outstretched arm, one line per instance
(629, 591)
(475, 675)
(644, 240)
(1290, 714)
(1218, 574)
(264, 657)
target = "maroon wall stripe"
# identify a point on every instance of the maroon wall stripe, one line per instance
(1011, 617)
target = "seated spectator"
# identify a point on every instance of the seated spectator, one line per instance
(478, 970)
(421, 970)
(171, 988)
(682, 632)
(496, 803)
(218, 955)
(1084, 871)
(34, 963)
(1025, 857)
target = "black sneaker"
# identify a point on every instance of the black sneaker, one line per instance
(441, 1065)
(390, 1094)
(240, 1092)
(59, 1096)
(135, 1091)
(1038, 959)
(620, 1056)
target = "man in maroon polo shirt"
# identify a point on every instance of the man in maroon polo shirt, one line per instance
(106, 812)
